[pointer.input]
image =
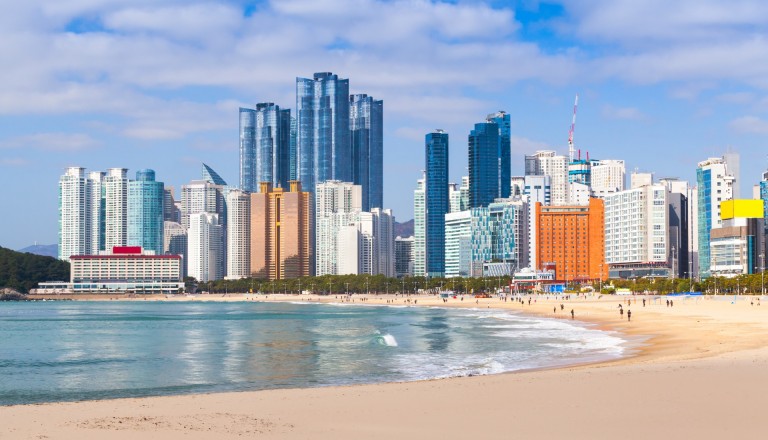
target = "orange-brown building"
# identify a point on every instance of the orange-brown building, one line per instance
(280, 232)
(571, 239)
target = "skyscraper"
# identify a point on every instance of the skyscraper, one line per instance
(366, 119)
(337, 204)
(175, 242)
(403, 256)
(280, 232)
(419, 247)
(95, 207)
(436, 200)
(489, 160)
(323, 137)
(265, 140)
(115, 208)
(145, 212)
(715, 184)
(238, 235)
(73, 215)
(204, 247)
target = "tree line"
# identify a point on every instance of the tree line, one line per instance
(22, 271)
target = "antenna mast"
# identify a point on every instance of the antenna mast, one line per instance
(573, 127)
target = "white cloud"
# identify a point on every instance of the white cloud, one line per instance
(523, 145)
(629, 113)
(66, 142)
(12, 162)
(750, 124)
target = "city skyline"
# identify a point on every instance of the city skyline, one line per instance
(176, 106)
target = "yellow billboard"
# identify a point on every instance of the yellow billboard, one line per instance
(742, 208)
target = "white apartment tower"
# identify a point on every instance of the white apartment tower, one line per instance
(238, 234)
(419, 250)
(637, 229)
(548, 163)
(73, 215)
(94, 205)
(115, 208)
(204, 247)
(337, 205)
(608, 177)
(384, 241)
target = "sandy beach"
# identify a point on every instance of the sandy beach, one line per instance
(697, 369)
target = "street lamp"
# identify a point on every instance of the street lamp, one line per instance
(762, 273)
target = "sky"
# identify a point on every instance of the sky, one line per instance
(157, 84)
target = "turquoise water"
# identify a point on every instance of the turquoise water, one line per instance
(68, 351)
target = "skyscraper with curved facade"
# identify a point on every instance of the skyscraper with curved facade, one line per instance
(145, 212)
(265, 146)
(436, 201)
(323, 148)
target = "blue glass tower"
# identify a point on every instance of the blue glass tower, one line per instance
(323, 147)
(436, 201)
(489, 160)
(366, 119)
(265, 136)
(504, 153)
(145, 212)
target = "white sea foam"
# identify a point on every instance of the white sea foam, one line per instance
(387, 340)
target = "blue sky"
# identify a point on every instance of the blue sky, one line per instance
(156, 84)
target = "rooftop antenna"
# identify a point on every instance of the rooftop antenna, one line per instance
(573, 128)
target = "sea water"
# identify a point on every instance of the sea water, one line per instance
(69, 351)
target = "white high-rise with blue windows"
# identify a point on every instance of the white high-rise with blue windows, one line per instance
(715, 184)
(145, 212)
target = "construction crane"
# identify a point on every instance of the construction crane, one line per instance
(573, 127)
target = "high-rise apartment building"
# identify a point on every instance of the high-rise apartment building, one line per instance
(419, 229)
(337, 204)
(95, 208)
(637, 232)
(265, 141)
(548, 163)
(145, 212)
(175, 242)
(608, 176)
(323, 146)
(115, 208)
(715, 184)
(366, 119)
(693, 232)
(572, 239)
(171, 212)
(384, 242)
(73, 214)
(537, 189)
(281, 227)
(205, 247)
(238, 235)
(454, 198)
(403, 256)
(764, 198)
(458, 244)
(436, 200)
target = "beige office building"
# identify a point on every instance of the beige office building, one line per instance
(280, 232)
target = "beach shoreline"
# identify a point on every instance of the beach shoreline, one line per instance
(697, 345)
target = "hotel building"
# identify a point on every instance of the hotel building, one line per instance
(571, 239)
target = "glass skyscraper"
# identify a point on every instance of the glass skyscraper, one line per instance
(145, 212)
(367, 137)
(436, 201)
(323, 147)
(489, 160)
(265, 141)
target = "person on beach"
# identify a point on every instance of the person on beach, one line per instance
(562, 307)
(572, 314)
(671, 303)
(621, 312)
(629, 315)
(554, 309)
(667, 303)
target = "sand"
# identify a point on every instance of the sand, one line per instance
(698, 369)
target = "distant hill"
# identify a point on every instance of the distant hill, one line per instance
(22, 271)
(46, 250)
(404, 229)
